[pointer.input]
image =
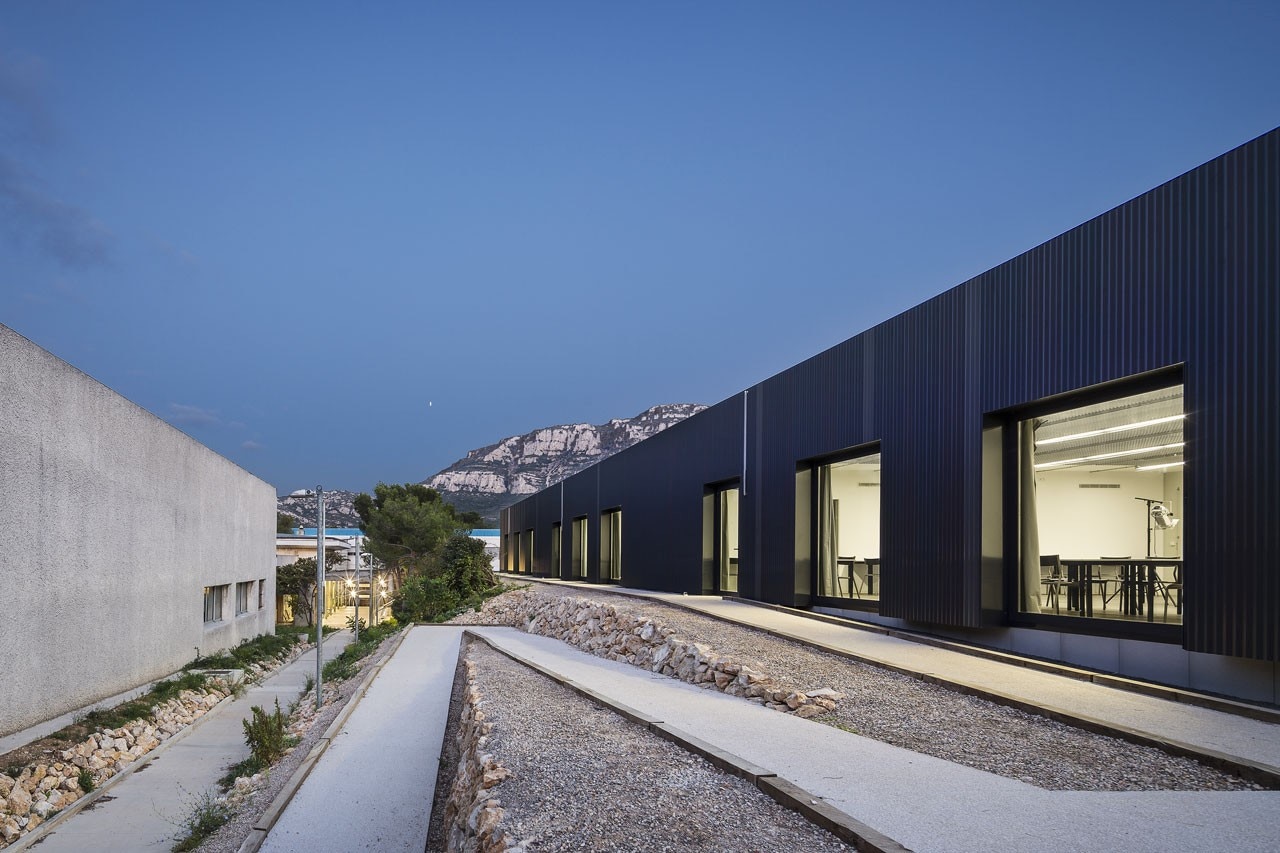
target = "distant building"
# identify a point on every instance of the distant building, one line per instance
(492, 539)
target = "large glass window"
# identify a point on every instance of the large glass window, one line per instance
(578, 549)
(720, 538)
(1100, 489)
(848, 527)
(611, 545)
(526, 553)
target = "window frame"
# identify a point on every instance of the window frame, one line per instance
(1010, 421)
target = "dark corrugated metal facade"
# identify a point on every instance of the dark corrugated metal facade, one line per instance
(1184, 278)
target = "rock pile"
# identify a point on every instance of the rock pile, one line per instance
(610, 632)
(42, 790)
(473, 812)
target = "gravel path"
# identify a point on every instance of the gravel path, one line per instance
(906, 712)
(586, 779)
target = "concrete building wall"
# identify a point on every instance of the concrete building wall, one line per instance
(112, 523)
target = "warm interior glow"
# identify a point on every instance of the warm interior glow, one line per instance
(1108, 430)
(1118, 453)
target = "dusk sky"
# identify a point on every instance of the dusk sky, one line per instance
(346, 243)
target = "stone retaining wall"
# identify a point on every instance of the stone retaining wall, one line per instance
(473, 813)
(609, 631)
(42, 790)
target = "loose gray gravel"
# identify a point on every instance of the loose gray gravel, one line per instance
(586, 779)
(926, 718)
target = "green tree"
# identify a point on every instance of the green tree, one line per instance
(465, 566)
(405, 525)
(459, 577)
(285, 523)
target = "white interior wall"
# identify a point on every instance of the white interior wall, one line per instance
(859, 510)
(1076, 522)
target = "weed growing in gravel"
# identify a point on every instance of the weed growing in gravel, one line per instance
(248, 767)
(258, 650)
(85, 779)
(311, 683)
(205, 816)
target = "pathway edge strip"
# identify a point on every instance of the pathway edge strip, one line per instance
(787, 793)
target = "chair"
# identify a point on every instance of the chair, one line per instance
(846, 582)
(873, 571)
(1105, 576)
(1168, 588)
(1055, 581)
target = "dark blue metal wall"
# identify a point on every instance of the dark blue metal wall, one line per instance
(1185, 275)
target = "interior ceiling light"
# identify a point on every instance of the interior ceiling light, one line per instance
(1108, 430)
(1158, 467)
(1118, 453)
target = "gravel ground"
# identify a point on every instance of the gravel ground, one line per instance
(585, 778)
(903, 711)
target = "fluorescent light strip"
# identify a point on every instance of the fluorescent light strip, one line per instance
(1158, 467)
(1109, 430)
(1099, 457)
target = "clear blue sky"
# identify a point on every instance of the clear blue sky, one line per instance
(287, 227)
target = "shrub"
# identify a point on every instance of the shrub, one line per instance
(85, 780)
(265, 734)
(424, 599)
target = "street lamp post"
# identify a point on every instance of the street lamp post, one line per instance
(319, 589)
(356, 607)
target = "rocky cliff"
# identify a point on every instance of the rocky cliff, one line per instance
(339, 509)
(493, 477)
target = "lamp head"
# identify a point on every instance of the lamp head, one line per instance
(1163, 518)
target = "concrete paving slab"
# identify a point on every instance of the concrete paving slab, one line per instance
(372, 788)
(922, 802)
(142, 812)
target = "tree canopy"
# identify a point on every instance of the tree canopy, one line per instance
(285, 523)
(406, 523)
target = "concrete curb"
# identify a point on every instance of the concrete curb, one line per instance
(817, 810)
(32, 838)
(263, 825)
(1253, 771)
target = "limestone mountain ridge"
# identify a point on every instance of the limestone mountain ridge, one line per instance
(492, 477)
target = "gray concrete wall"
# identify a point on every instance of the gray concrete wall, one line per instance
(112, 523)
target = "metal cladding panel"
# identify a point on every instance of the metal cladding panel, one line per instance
(1186, 276)
(659, 484)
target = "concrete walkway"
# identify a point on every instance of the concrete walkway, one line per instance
(143, 810)
(1205, 730)
(924, 803)
(372, 788)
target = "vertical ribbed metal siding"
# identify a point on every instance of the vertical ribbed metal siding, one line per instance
(1185, 274)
